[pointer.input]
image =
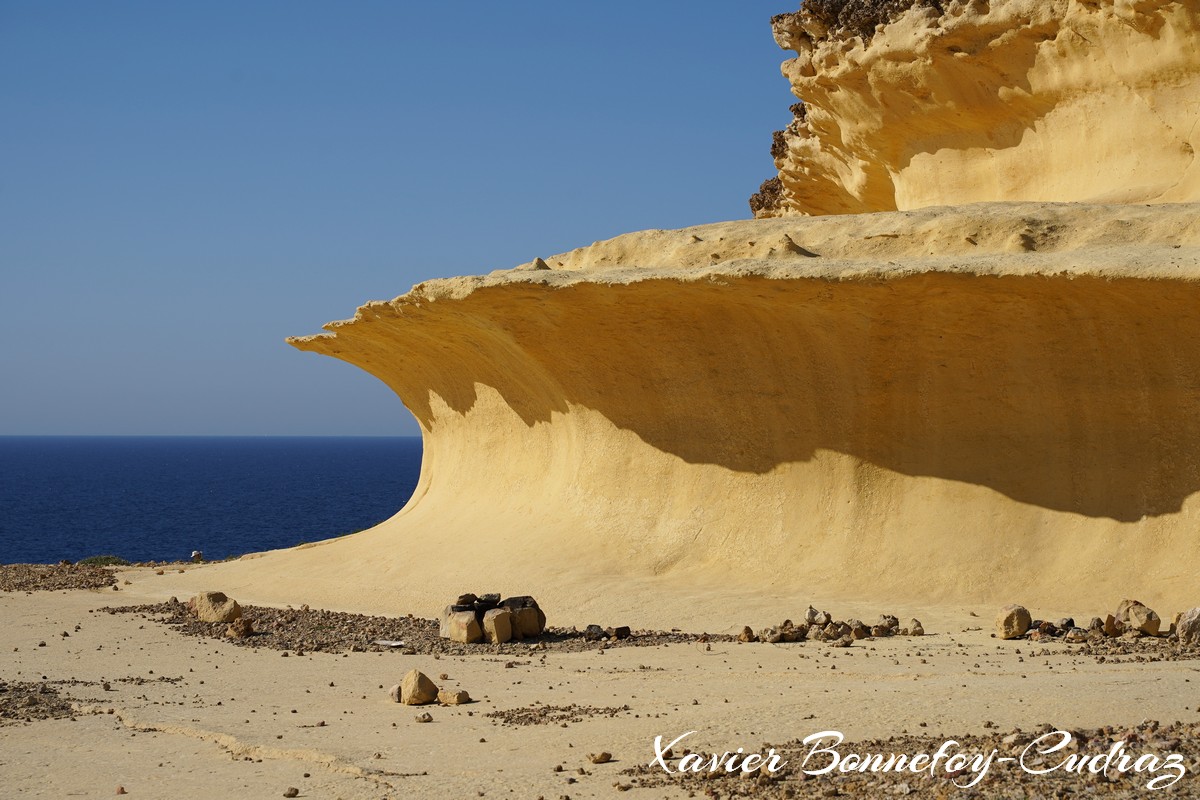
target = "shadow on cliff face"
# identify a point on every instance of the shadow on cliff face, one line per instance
(1073, 394)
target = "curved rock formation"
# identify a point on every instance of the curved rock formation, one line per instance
(983, 403)
(959, 102)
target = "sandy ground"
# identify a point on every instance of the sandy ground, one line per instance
(193, 717)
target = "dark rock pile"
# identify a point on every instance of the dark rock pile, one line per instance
(1132, 620)
(313, 630)
(596, 633)
(54, 577)
(538, 714)
(821, 626)
(25, 702)
(476, 618)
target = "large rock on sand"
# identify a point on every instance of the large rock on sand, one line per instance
(1188, 627)
(498, 625)
(214, 607)
(462, 626)
(417, 689)
(528, 618)
(1136, 616)
(1012, 622)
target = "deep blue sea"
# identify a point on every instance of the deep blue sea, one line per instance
(160, 498)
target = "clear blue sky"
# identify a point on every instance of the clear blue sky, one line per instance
(182, 185)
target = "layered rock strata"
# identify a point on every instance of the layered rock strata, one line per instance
(960, 102)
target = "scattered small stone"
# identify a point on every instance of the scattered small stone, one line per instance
(1001, 783)
(603, 757)
(54, 577)
(554, 715)
(1076, 636)
(291, 791)
(25, 701)
(283, 629)
(426, 717)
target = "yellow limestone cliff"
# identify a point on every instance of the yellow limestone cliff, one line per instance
(959, 102)
(976, 403)
(992, 398)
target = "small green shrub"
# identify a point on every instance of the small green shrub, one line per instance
(103, 561)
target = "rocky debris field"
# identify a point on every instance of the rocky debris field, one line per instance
(554, 715)
(312, 630)
(53, 577)
(822, 626)
(22, 701)
(1132, 633)
(1043, 775)
(475, 618)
